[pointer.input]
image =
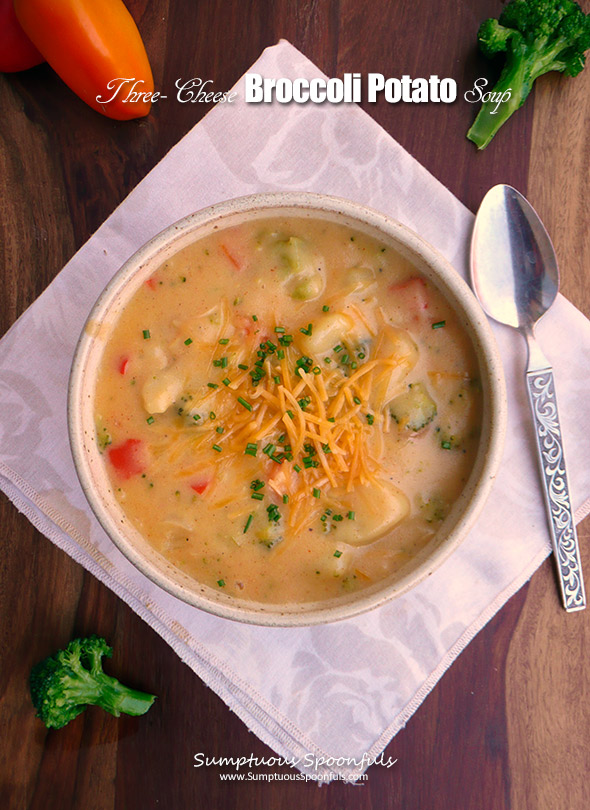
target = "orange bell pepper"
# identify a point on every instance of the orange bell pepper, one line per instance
(95, 47)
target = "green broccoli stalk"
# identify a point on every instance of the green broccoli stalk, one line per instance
(538, 36)
(65, 683)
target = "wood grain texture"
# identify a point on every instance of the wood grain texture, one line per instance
(547, 691)
(505, 727)
(559, 172)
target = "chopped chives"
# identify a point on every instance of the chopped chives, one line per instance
(219, 429)
(226, 381)
(344, 359)
(273, 513)
(325, 308)
(150, 420)
(223, 362)
(304, 362)
(212, 385)
(307, 331)
(224, 341)
(251, 449)
(244, 404)
(326, 448)
(316, 492)
(257, 496)
(217, 448)
(297, 468)
(445, 445)
(331, 419)
(269, 449)
(221, 583)
(196, 417)
(370, 418)
(316, 370)
(351, 515)
(282, 437)
(290, 414)
(353, 365)
(338, 348)
(248, 522)
(256, 484)
(337, 518)
(254, 318)
(327, 360)
(338, 554)
(356, 401)
(277, 379)
(285, 499)
(361, 355)
(280, 354)
(146, 334)
(280, 330)
(439, 324)
(211, 414)
(243, 366)
(188, 341)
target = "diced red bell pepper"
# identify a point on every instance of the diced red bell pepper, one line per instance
(411, 297)
(200, 486)
(129, 458)
(123, 365)
(232, 258)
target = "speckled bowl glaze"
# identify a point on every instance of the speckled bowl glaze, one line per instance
(91, 468)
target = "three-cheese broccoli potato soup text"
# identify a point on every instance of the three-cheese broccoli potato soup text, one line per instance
(288, 410)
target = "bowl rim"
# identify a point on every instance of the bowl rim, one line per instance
(432, 264)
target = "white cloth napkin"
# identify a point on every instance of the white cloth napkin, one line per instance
(341, 690)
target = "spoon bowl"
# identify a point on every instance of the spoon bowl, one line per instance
(513, 263)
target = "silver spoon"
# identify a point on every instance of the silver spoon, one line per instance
(514, 274)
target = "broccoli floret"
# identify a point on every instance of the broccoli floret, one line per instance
(538, 36)
(65, 683)
(414, 409)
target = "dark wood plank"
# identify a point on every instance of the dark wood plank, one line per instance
(547, 664)
(411, 38)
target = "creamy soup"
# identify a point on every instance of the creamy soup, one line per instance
(288, 410)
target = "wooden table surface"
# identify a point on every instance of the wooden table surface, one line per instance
(507, 726)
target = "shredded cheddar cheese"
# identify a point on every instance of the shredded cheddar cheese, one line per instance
(315, 408)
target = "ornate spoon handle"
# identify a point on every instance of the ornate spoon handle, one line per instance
(541, 388)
